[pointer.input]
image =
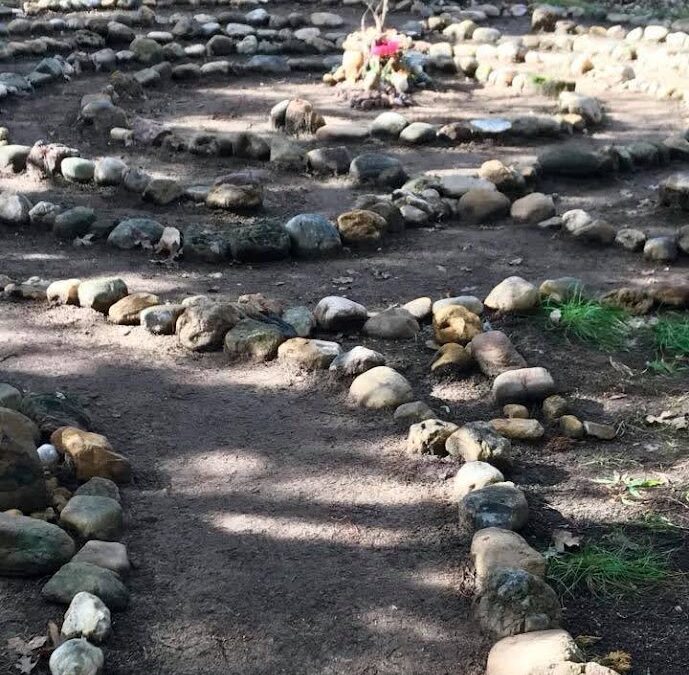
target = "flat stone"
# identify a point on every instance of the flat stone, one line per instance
(75, 577)
(309, 354)
(470, 302)
(392, 324)
(523, 385)
(494, 353)
(111, 555)
(31, 547)
(494, 549)
(380, 387)
(474, 476)
(604, 432)
(498, 505)
(518, 429)
(127, 311)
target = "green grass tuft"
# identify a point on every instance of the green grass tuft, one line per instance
(590, 321)
(614, 569)
(671, 334)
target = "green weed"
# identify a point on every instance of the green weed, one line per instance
(608, 570)
(628, 487)
(590, 321)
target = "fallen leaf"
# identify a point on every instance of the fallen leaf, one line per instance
(86, 240)
(37, 642)
(342, 280)
(26, 664)
(564, 540)
(441, 268)
(621, 367)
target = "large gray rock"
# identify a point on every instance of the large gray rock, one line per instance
(514, 601)
(533, 208)
(77, 169)
(75, 577)
(14, 209)
(513, 294)
(203, 325)
(255, 340)
(101, 294)
(309, 354)
(312, 235)
(335, 313)
(32, 547)
(22, 485)
(497, 505)
(161, 319)
(74, 222)
(76, 657)
(392, 324)
(111, 555)
(481, 206)
(86, 617)
(575, 160)
(377, 169)
(93, 517)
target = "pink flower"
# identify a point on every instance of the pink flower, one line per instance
(385, 48)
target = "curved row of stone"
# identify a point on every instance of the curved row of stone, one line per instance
(68, 487)
(514, 603)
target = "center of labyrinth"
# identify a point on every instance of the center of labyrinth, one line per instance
(347, 341)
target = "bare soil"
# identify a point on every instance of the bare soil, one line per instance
(275, 529)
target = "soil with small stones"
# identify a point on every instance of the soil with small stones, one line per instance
(272, 527)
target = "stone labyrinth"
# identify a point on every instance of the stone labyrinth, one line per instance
(320, 355)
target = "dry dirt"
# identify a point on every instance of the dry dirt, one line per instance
(273, 528)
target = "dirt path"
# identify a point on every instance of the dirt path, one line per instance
(273, 530)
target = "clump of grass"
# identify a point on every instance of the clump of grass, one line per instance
(671, 334)
(590, 321)
(609, 570)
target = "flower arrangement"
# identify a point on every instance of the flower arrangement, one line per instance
(377, 65)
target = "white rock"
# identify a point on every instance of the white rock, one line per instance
(335, 313)
(380, 387)
(88, 617)
(76, 657)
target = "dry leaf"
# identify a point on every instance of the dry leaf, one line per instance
(621, 367)
(54, 633)
(16, 644)
(342, 280)
(37, 642)
(564, 540)
(617, 660)
(25, 664)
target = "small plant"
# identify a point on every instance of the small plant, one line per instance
(656, 522)
(608, 570)
(671, 334)
(590, 321)
(629, 487)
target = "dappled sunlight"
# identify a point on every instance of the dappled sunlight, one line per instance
(400, 620)
(292, 529)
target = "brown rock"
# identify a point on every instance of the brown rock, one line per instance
(64, 292)
(92, 454)
(361, 226)
(127, 310)
(518, 429)
(495, 353)
(452, 359)
(454, 323)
